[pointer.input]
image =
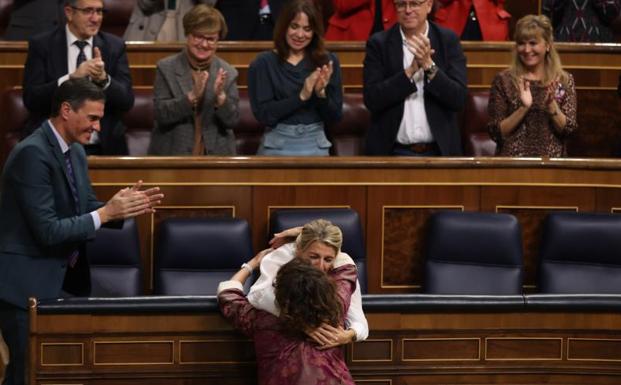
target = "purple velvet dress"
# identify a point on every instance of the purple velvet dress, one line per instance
(283, 359)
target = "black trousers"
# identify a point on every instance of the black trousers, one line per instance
(14, 326)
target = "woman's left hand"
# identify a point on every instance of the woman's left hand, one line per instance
(328, 336)
(325, 74)
(218, 87)
(552, 89)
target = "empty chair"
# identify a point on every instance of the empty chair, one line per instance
(347, 220)
(473, 253)
(581, 253)
(193, 255)
(114, 258)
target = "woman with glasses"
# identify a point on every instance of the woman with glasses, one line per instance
(296, 89)
(195, 92)
(532, 104)
(159, 20)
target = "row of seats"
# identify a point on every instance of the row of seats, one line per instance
(466, 253)
(481, 253)
(192, 255)
(347, 136)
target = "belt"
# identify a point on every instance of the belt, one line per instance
(420, 148)
(265, 18)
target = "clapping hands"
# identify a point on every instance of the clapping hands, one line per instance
(317, 82)
(93, 68)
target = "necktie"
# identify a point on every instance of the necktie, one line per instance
(72, 183)
(73, 257)
(81, 56)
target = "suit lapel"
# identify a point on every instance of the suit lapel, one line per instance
(58, 56)
(77, 169)
(395, 49)
(183, 73)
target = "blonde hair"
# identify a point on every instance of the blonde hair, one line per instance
(320, 230)
(206, 19)
(535, 26)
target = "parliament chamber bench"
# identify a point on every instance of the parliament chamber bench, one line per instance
(347, 135)
(414, 338)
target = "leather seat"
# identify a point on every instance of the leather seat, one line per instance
(347, 220)
(475, 138)
(581, 254)
(114, 258)
(193, 255)
(473, 253)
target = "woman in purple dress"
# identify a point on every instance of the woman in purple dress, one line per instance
(307, 298)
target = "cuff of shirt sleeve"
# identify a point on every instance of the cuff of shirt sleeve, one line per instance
(359, 330)
(63, 79)
(225, 285)
(96, 219)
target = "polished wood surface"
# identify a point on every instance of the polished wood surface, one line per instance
(394, 197)
(594, 65)
(446, 346)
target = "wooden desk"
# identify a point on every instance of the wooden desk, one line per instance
(414, 339)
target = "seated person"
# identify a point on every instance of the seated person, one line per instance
(474, 19)
(319, 242)
(195, 92)
(357, 20)
(414, 83)
(532, 104)
(295, 89)
(159, 20)
(585, 21)
(307, 298)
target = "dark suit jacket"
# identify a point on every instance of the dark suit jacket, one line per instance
(40, 227)
(386, 87)
(242, 17)
(30, 17)
(47, 62)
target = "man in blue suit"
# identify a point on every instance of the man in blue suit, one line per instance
(78, 49)
(49, 210)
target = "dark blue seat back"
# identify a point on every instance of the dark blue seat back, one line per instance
(347, 220)
(473, 253)
(581, 254)
(114, 258)
(193, 255)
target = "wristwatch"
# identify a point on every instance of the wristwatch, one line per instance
(433, 68)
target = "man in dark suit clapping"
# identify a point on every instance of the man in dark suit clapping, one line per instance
(79, 49)
(49, 210)
(414, 85)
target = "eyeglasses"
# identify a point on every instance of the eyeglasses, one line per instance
(402, 5)
(90, 11)
(209, 40)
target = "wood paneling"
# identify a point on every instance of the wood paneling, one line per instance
(414, 345)
(393, 196)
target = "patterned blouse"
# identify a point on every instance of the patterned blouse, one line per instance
(535, 135)
(283, 359)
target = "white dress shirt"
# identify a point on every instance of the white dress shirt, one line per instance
(262, 295)
(414, 127)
